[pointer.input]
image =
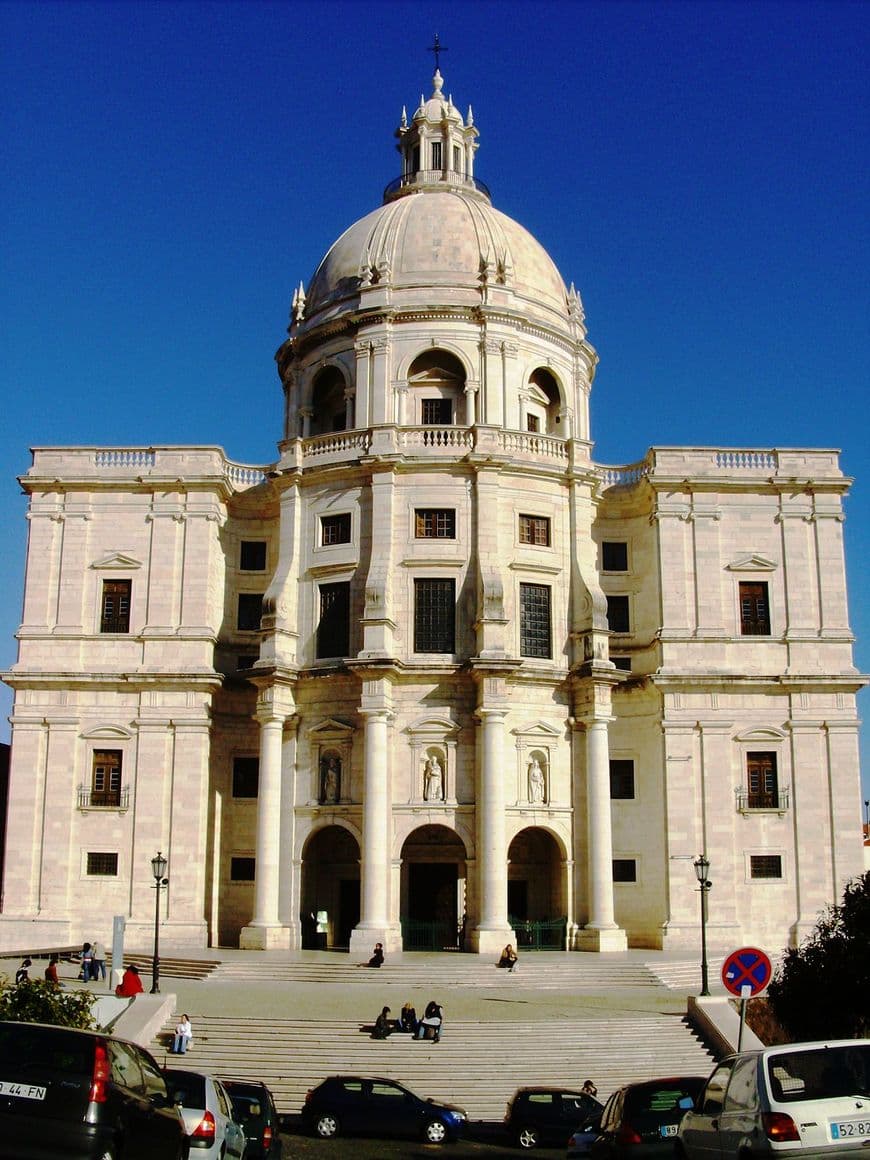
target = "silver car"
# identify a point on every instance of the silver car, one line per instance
(810, 1101)
(207, 1111)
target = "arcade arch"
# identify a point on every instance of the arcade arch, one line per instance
(433, 889)
(330, 895)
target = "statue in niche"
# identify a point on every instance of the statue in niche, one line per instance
(537, 781)
(330, 780)
(433, 779)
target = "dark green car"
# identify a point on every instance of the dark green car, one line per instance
(254, 1108)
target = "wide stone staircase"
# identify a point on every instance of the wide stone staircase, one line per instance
(477, 1065)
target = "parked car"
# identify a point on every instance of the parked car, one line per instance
(213, 1133)
(83, 1095)
(548, 1115)
(799, 1100)
(254, 1108)
(581, 1141)
(382, 1107)
(642, 1119)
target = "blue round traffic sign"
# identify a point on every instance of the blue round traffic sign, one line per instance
(747, 968)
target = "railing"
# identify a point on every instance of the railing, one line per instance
(748, 800)
(350, 443)
(244, 476)
(436, 177)
(620, 476)
(104, 799)
(125, 457)
(546, 934)
(452, 438)
(430, 935)
(537, 446)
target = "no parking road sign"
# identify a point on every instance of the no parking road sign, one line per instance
(746, 972)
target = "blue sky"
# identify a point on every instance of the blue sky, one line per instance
(173, 170)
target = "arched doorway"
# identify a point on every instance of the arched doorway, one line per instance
(433, 890)
(537, 903)
(330, 888)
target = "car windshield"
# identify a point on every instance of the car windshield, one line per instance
(663, 1096)
(819, 1073)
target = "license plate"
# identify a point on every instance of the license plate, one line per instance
(850, 1129)
(25, 1091)
(669, 1129)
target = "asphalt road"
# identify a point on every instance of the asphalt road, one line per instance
(488, 1142)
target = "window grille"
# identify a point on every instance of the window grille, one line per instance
(535, 617)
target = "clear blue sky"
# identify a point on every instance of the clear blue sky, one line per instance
(172, 170)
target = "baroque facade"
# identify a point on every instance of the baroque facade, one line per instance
(434, 677)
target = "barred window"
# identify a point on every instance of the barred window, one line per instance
(115, 612)
(252, 556)
(246, 777)
(762, 781)
(434, 616)
(754, 609)
(765, 865)
(617, 614)
(435, 524)
(243, 869)
(102, 865)
(436, 412)
(535, 617)
(250, 610)
(335, 529)
(624, 870)
(436, 154)
(535, 530)
(614, 556)
(333, 630)
(533, 423)
(621, 779)
(106, 778)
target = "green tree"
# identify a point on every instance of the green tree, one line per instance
(821, 989)
(38, 1001)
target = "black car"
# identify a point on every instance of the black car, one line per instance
(642, 1119)
(254, 1108)
(547, 1115)
(380, 1107)
(84, 1096)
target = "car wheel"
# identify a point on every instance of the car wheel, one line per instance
(434, 1132)
(527, 1137)
(326, 1126)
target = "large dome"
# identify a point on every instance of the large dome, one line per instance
(447, 242)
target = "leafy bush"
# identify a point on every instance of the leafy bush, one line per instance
(821, 989)
(38, 1001)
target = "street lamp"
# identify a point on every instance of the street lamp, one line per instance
(702, 869)
(158, 869)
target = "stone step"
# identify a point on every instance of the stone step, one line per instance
(477, 1065)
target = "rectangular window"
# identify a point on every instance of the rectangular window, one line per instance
(754, 609)
(249, 612)
(533, 423)
(765, 866)
(622, 663)
(333, 629)
(614, 556)
(106, 778)
(243, 869)
(252, 556)
(761, 781)
(435, 524)
(436, 412)
(535, 530)
(535, 634)
(246, 777)
(624, 870)
(102, 865)
(247, 662)
(621, 779)
(434, 616)
(436, 154)
(457, 159)
(115, 612)
(617, 614)
(335, 529)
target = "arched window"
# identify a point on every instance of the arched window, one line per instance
(541, 404)
(328, 404)
(436, 387)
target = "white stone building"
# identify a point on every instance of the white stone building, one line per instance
(435, 677)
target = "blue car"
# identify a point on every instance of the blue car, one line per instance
(367, 1105)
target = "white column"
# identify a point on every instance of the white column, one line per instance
(601, 932)
(265, 929)
(492, 931)
(375, 861)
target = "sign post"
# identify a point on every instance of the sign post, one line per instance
(745, 973)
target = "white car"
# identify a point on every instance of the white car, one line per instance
(810, 1101)
(207, 1111)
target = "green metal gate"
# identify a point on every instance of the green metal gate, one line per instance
(545, 934)
(420, 934)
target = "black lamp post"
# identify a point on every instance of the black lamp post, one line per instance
(702, 869)
(158, 869)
